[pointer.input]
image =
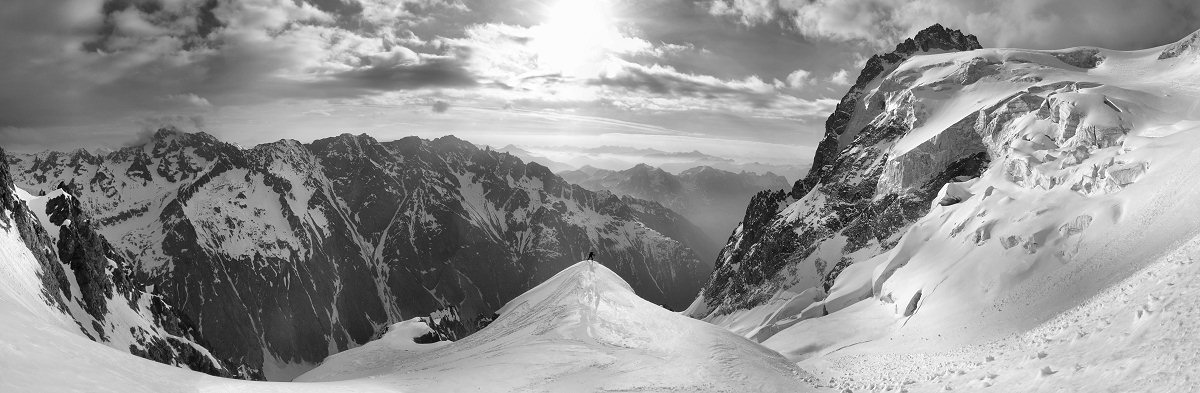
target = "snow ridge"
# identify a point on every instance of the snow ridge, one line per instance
(584, 329)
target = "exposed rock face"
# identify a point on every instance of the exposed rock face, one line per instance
(286, 252)
(94, 286)
(712, 198)
(470, 205)
(1188, 45)
(839, 131)
(857, 197)
(15, 213)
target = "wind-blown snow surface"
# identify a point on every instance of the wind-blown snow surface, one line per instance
(582, 330)
(1067, 265)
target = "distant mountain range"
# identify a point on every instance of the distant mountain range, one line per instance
(620, 157)
(712, 198)
(286, 252)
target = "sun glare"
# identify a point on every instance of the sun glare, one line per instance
(577, 36)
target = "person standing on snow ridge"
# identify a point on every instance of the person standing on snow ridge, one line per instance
(591, 255)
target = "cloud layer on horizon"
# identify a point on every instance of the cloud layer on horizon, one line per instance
(98, 71)
(1032, 24)
(84, 62)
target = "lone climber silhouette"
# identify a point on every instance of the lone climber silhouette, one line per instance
(591, 255)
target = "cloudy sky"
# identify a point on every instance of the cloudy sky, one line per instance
(741, 78)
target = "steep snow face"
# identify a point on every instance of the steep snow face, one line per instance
(1081, 172)
(583, 329)
(285, 253)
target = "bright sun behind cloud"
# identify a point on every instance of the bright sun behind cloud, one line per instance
(579, 37)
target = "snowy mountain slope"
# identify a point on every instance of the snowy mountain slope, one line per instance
(583, 330)
(1135, 336)
(285, 253)
(1040, 191)
(712, 198)
(221, 233)
(53, 254)
(45, 352)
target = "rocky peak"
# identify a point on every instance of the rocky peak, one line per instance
(847, 193)
(288, 150)
(937, 37)
(649, 178)
(82, 154)
(451, 143)
(170, 135)
(932, 38)
(1189, 44)
(282, 147)
(167, 133)
(350, 146)
(351, 139)
(6, 188)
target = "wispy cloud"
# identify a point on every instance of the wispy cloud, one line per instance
(1114, 24)
(94, 71)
